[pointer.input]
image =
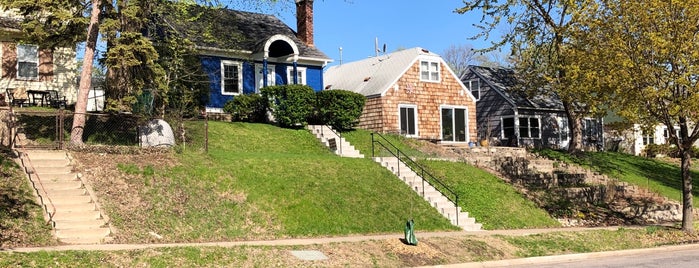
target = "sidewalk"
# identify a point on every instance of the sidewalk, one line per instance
(304, 241)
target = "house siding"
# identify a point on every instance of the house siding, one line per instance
(212, 67)
(57, 71)
(381, 113)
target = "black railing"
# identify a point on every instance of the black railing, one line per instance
(425, 176)
(335, 144)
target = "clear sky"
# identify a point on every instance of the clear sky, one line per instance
(354, 25)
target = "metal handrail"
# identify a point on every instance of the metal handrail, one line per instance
(338, 134)
(454, 198)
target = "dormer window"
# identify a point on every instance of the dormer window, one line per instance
(429, 71)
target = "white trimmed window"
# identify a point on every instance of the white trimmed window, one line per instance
(231, 77)
(429, 71)
(259, 78)
(508, 127)
(648, 138)
(300, 72)
(475, 87)
(529, 127)
(407, 119)
(27, 61)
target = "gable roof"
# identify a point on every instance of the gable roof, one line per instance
(373, 76)
(504, 82)
(226, 29)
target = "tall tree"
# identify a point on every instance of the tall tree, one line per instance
(647, 52)
(539, 40)
(76, 133)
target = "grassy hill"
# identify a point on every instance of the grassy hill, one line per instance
(261, 182)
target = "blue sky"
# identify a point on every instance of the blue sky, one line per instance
(354, 25)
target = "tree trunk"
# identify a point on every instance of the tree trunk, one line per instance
(76, 134)
(575, 144)
(687, 210)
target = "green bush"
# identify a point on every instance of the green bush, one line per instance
(290, 104)
(247, 108)
(339, 108)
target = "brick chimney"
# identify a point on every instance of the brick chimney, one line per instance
(304, 21)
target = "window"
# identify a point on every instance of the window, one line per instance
(508, 127)
(231, 78)
(300, 71)
(271, 75)
(648, 138)
(475, 87)
(407, 115)
(590, 129)
(429, 71)
(454, 124)
(666, 135)
(529, 127)
(27, 61)
(564, 129)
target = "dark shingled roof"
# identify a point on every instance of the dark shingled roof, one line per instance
(505, 82)
(235, 30)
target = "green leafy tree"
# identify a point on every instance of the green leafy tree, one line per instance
(132, 60)
(541, 43)
(647, 54)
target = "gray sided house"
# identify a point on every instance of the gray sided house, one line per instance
(242, 52)
(508, 117)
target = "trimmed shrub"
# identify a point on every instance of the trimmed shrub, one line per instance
(247, 108)
(339, 108)
(290, 104)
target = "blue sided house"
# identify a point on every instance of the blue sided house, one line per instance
(245, 51)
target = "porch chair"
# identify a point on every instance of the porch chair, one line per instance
(55, 100)
(17, 96)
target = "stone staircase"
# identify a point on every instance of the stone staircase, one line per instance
(68, 202)
(440, 202)
(573, 182)
(334, 141)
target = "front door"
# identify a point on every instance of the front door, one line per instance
(454, 124)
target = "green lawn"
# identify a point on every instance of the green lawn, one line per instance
(259, 181)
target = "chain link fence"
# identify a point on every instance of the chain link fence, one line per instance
(52, 130)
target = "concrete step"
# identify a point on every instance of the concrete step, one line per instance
(79, 224)
(83, 236)
(77, 215)
(47, 154)
(57, 176)
(55, 193)
(71, 200)
(53, 170)
(45, 163)
(68, 207)
(61, 185)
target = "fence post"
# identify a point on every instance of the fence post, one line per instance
(372, 145)
(206, 132)
(59, 128)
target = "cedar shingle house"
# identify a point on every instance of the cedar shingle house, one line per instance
(412, 92)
